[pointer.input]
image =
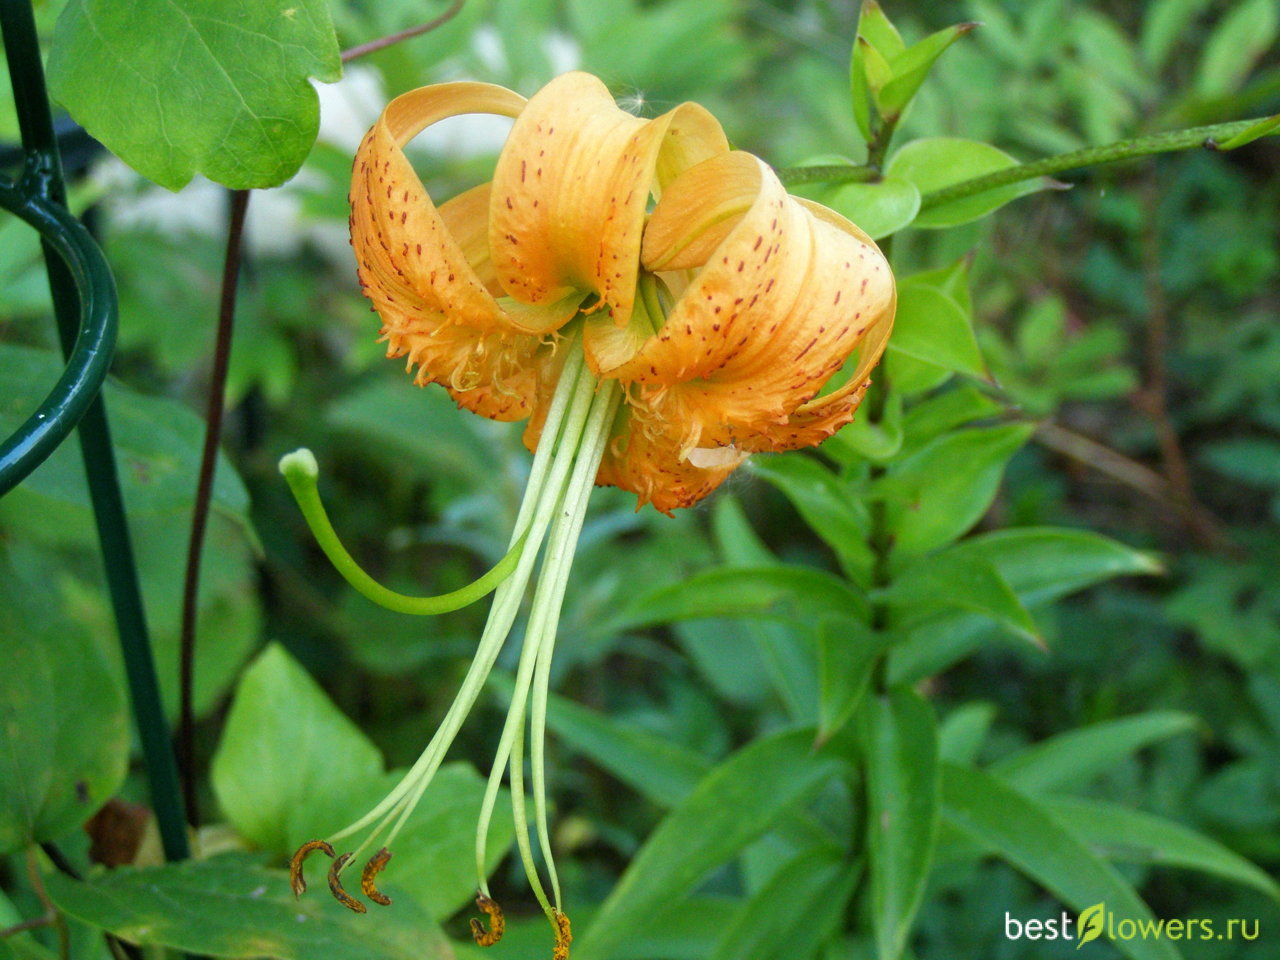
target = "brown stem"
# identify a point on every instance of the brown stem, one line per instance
(1154, 398)
(1130, 472)
(374, 45)
(51, 915)
(204, 493)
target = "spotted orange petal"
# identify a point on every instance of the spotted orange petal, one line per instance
(784, 292)
(571, 189)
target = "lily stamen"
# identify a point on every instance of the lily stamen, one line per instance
(335, 886)
(497, 924)
(296, 879)
(369, 875)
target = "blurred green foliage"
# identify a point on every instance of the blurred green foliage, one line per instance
(1081, 387)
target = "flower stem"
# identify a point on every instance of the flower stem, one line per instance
(1167, 142)
(832, 173)
(1208, 136)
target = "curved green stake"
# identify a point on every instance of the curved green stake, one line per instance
(301, 471)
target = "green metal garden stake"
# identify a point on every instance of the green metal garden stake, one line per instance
(85, 307)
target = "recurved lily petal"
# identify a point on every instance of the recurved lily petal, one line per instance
(571, 189)
(783, 297)
(428, 269)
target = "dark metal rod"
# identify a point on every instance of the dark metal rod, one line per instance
(43, 177)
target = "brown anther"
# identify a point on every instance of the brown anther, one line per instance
(335, 886)
(564, 936)
(483, 937)
(296, 879)
(371, 870)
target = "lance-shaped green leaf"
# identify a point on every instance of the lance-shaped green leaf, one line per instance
(1137, 837)
(912, 66)
(780, 592)
(232, 906)
(1074, 758)
(940, 491)
(931, 326)
(659, 769)
(728, 810)
(1029, 837)
(826, 503)
(847, 654)
(958, 578)
(792, 914)
(204, 87)
(1262, 128)
(874, 24)
(963, 732)
(899, 736)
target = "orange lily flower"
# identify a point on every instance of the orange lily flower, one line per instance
(653, 302)
(722, 313)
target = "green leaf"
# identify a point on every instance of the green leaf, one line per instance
(780, 592)
(875, 25)
(794, 912)
(422, 427)
(653, 765)
(64, 728)
(285, 746)
(937, 162)
(1164, 23)
(847, 654)
(1071, 760)
(881, 208)
(878, 440)
(963, 732)
(1030, 838)
(945, 411)
(1245, 33)
(937, 493)
(876, 66)
(157, 444)
(958, 578)
(231, 906)
(206, 88)
(727, 811)
(824, 501)
(912, 66)
(932, 327)
(1042, 564)
(1253, 461)
(1136, 837)
(900, 742)
(1262, 128)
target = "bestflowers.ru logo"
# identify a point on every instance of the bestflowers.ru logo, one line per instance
(1097, 921)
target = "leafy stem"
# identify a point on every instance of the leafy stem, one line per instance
(1209, 137)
